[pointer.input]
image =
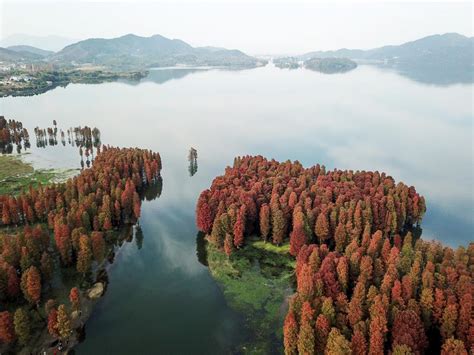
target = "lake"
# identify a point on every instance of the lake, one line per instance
(161, 298)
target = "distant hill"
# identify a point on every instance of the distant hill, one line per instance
(32, 50)
(11, 56)
(448, 50)
(155, 51)
(439, 59)
(50, 43)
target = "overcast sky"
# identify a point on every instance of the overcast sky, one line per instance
(256, 27)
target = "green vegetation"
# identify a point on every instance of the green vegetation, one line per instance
(17, 175)
(37, 83)
(256, 281)
(12, 166)
(283, 249)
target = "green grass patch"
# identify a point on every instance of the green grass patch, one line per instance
(17, 175)
(11, 166)
(256, 281)
(272, 248)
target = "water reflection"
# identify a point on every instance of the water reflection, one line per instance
(139, 236)
(82, 137)
(441, 76)
(153, 191)
(163, 75)
(85, 138)
(201, 250)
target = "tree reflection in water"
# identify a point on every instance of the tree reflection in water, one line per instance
(85, 138)
(201, 250)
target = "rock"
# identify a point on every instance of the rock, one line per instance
(75, 315)
(96, 291)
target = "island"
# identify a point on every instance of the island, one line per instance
(330, 65)
(365, 280)
(287, 63)
(323, 65)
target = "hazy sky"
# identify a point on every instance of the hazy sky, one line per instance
(256, 27)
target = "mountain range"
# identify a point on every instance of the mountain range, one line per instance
(446, 50)
(132, 52)
(449, 58)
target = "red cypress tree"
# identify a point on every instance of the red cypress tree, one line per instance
(337, 344)
(465, 317)
(136, 205)
(305, 283)
(358, 343)
(292, 200)
(239, 227)
(340, 237)
(358, 217)
(204, 217)
(228, 244)
(53, 323)
(6, 215)
(453, 347)
(378, 327)
(63, 242)
(449, 321)
(355, 310)
(75, 298)
(397, 293)
(107, 224)
(13, 283)
(84, 256)
(298, 236)
(408, 329)
(265, 221)
(7, 329)
(306, 334)
(278, 225)
(31, 284)
(321, 333)
(328, 274)
(290, 334)
(407, 288)
(438, 305)
(343, 273)
(321, 228)
(98, 246)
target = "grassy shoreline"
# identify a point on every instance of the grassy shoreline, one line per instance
(44, 81)
(17, 175)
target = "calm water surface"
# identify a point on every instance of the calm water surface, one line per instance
(161, 299)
